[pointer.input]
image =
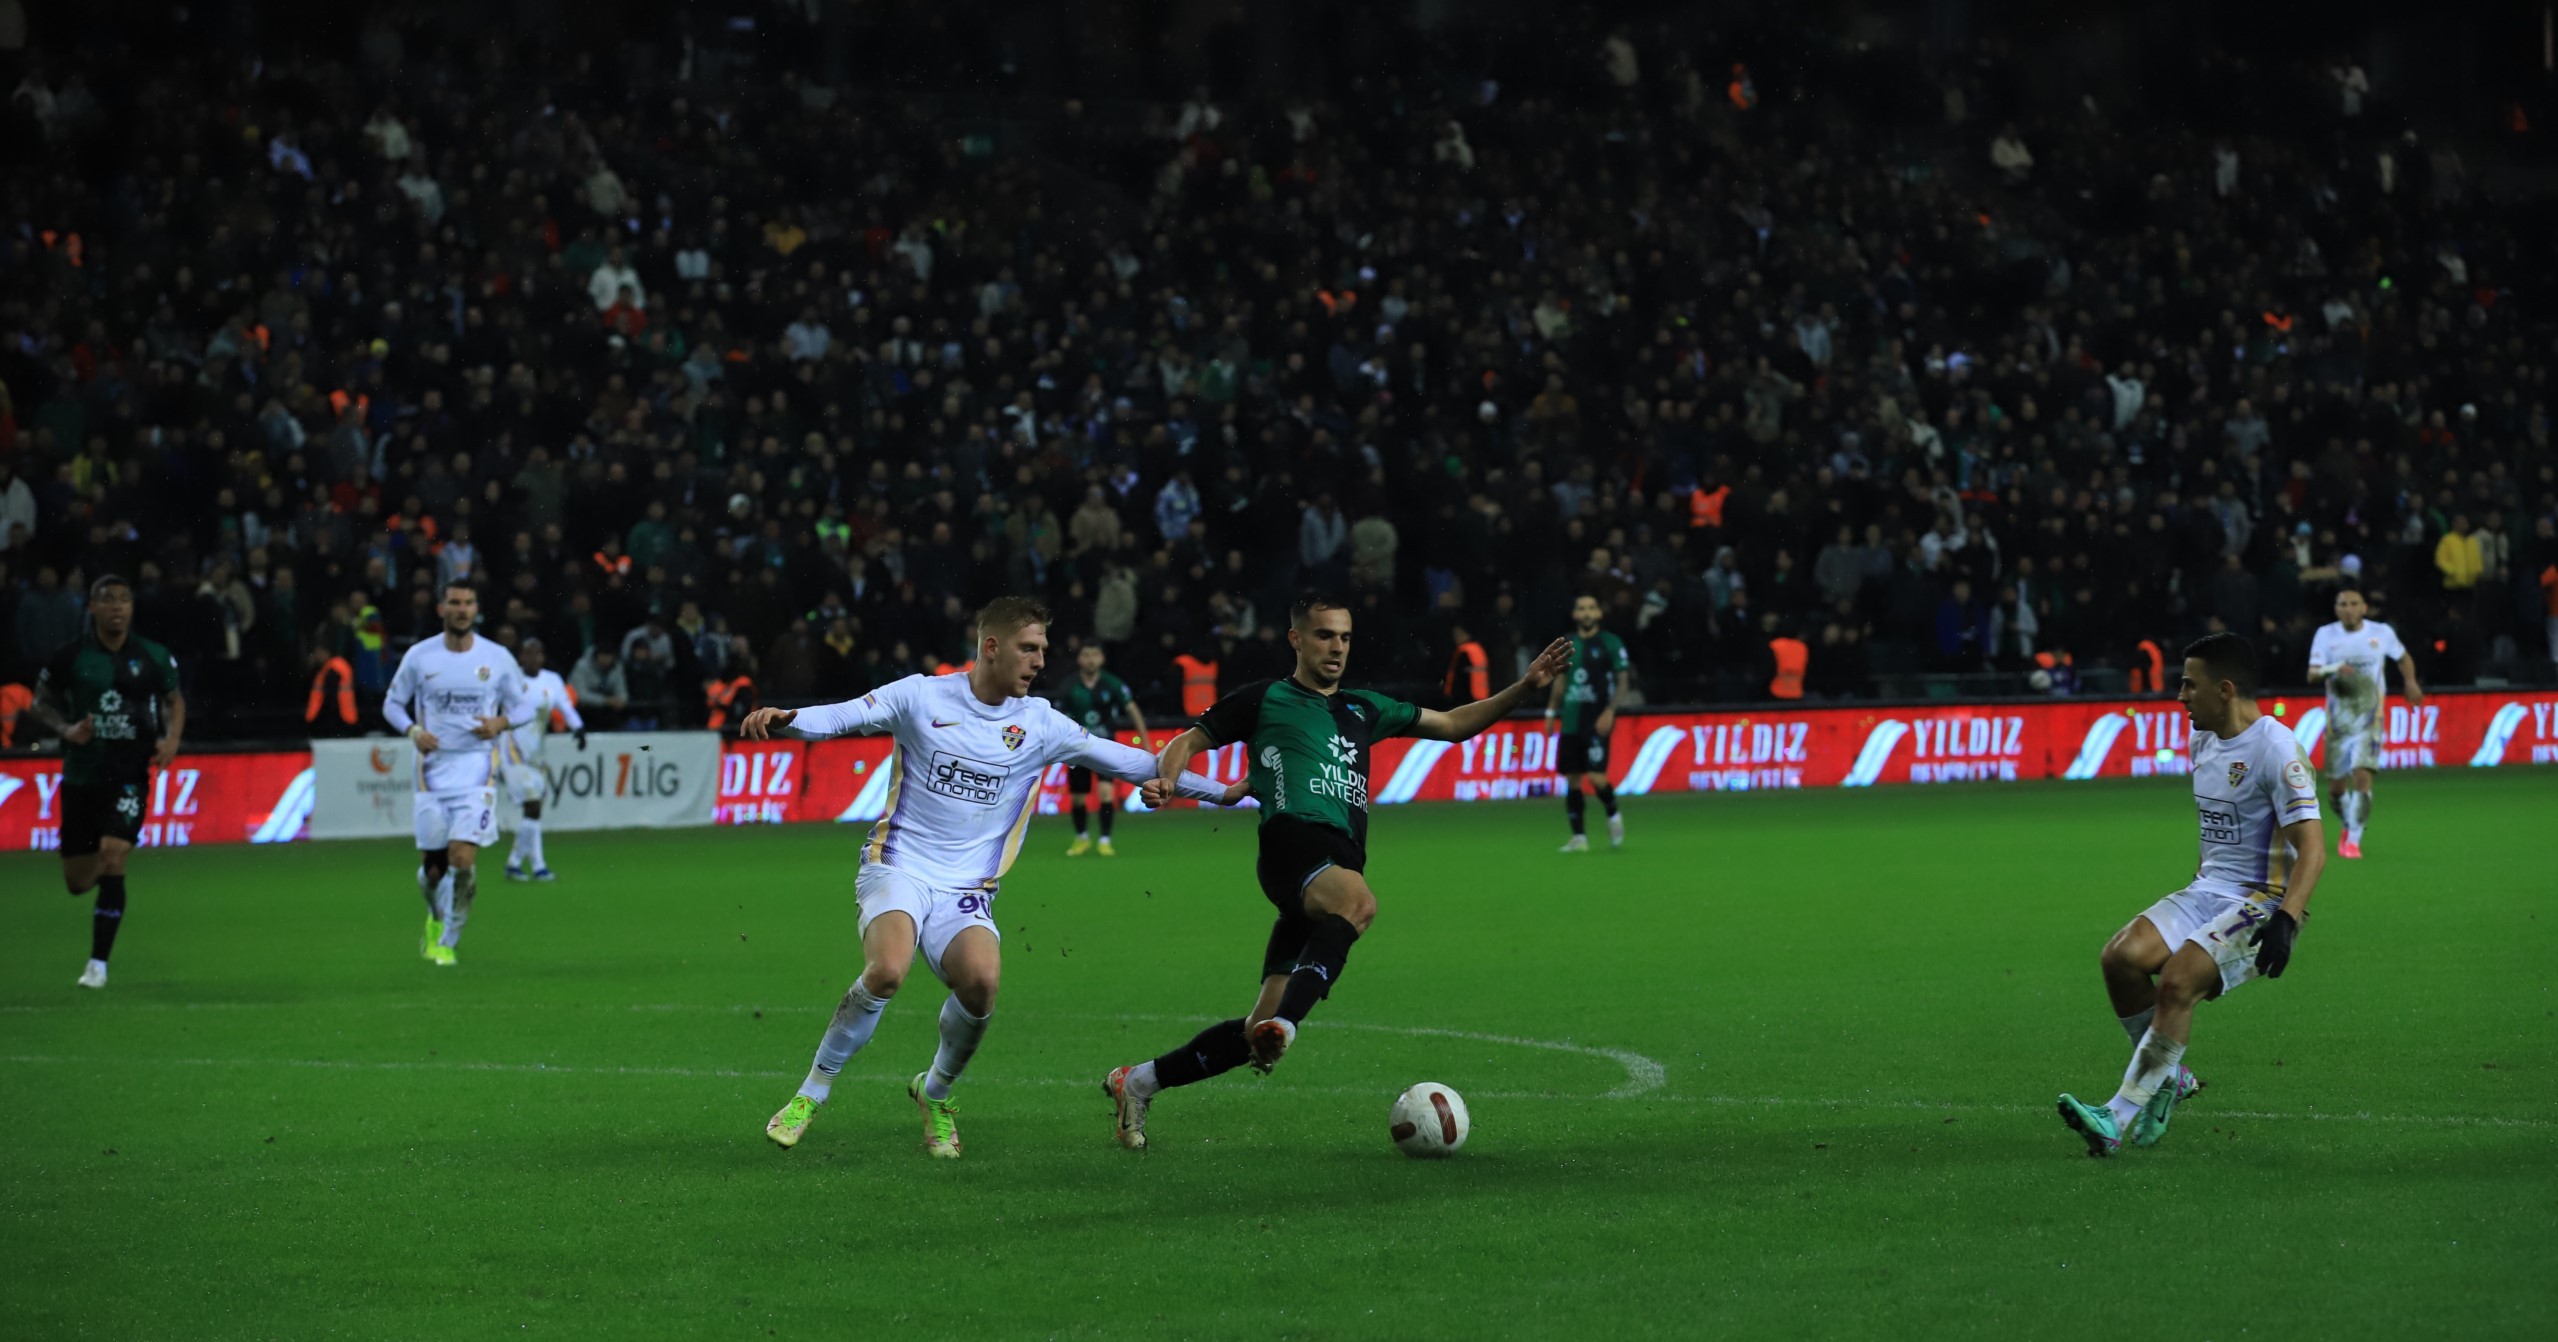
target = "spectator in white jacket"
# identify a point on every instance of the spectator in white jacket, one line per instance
(610, 278)
(2009, 155)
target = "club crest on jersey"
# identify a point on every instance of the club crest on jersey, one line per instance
(1014, 736)
(2238, 773)
(483, 672)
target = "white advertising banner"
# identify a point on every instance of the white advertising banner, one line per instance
(625, 780)
(364, 788)
(618, 780)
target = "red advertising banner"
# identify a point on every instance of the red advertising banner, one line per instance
(266, 797)
(261, 798)
(1863, 747)
(789, 782)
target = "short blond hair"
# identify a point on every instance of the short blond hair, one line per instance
(1005, 614)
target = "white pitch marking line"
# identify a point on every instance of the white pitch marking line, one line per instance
(1717, 1101)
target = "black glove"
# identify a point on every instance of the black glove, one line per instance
(2274, 943)
(581, 738)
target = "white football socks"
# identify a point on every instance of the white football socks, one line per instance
(1141, 1082)
(856, 1017)
(960, 1035)
(528, 845)
(2153, 1065)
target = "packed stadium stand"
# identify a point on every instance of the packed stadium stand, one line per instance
(757, 349)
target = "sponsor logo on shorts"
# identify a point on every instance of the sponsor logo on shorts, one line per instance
(967, 780)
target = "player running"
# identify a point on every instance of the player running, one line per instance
(113, 696)
(2352, 657)
(1581, 750)
(1095, 698)
(1309, 747)
(2261, 856)
(970, 753)
(467, 693)
(545, 694)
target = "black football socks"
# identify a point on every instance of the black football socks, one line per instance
(1319, 966)
(108, 918)
(1215, 1051)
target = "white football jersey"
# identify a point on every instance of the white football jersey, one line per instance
(968, 773)
(2369, 650)
(448, 693)
(2245, 790)
(544, 694)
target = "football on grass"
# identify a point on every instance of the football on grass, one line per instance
(1429, 1121)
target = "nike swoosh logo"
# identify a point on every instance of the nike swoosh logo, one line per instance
(939, 723)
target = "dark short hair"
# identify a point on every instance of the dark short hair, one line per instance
(464, 583)
(1005, 614)
(1302, 614)
(2228, 657)
(107, 580)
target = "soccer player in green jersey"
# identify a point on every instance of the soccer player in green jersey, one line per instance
(1096, 699)
(1586, 700)
(1308, 743)
(114, 698)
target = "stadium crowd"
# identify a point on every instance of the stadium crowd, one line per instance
(770, 379)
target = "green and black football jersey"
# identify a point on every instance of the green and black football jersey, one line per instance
(1100, 707)
(1592, 679)
(119, 692)
(1309, 752)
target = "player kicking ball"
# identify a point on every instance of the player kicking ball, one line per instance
(1587, 700)
(2352, 656)
(454, 695)
(113, 696)
(2261, 856)
(970, 753)
(545, 693)
(1309, 747)
(1096, 699)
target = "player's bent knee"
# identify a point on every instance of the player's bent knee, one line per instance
(976, 994)
(2188, 982)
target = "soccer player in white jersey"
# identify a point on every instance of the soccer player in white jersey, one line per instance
(466, 693)
(2261, 856)
(970, 752)
(2352, 657)
(545, 693)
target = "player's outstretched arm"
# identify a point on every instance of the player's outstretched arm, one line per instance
(874, 712)
(1175, 759)
(1458, 724)
(1131, 765)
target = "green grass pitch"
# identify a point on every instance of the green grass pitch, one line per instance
(1782, 1067)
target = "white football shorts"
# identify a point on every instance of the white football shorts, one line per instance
(466, 816)
(522, 774)
(940, 915)
(2352, 743)
(2219, 921)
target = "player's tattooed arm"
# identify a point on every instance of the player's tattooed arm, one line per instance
(49, 711)
(1176, 755)
(1459, 724)
(173, 710)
